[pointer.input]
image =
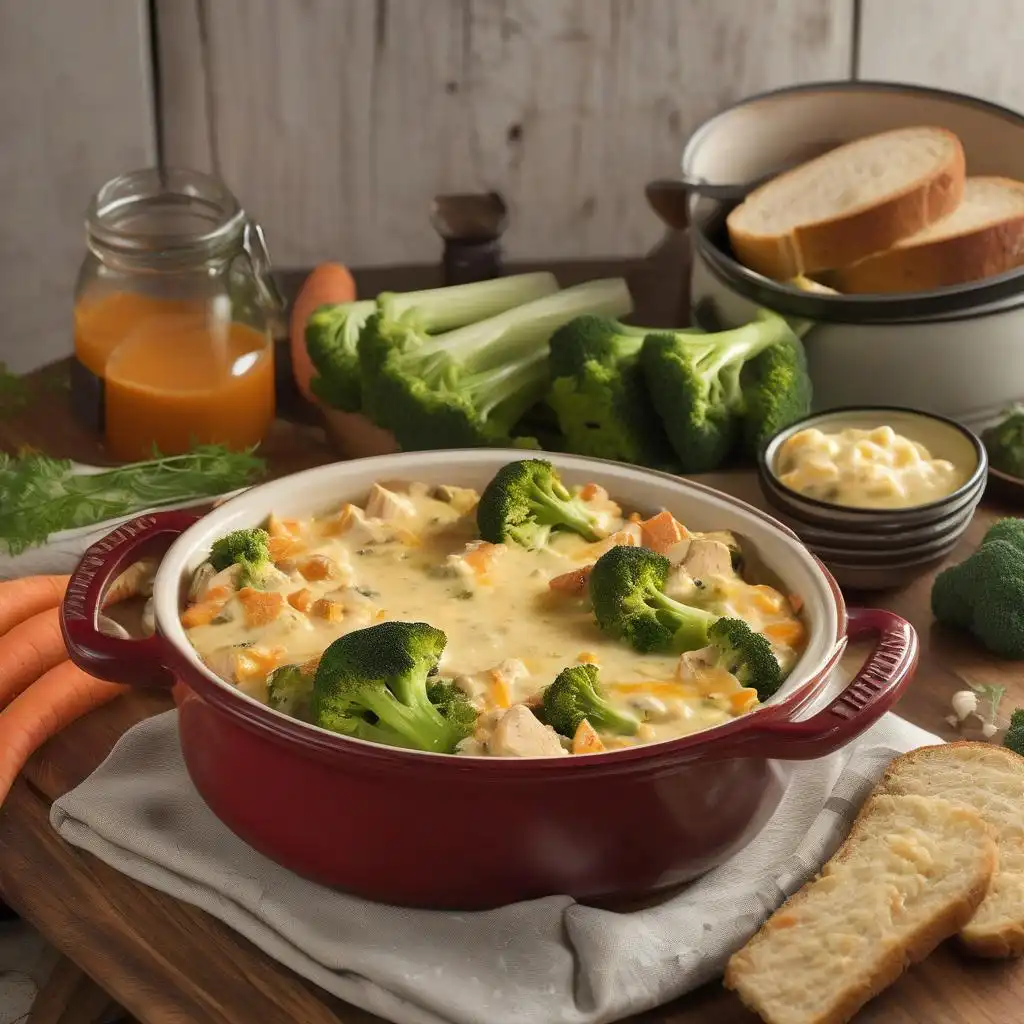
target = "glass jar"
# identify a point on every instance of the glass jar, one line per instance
(175, 316)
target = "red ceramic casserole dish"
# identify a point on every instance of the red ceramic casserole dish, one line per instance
(454, 832)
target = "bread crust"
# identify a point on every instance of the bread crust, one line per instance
(989, 250)
(861, 990)
(1001, 943)
(850, 237)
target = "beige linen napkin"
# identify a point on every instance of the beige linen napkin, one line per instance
(548, 961)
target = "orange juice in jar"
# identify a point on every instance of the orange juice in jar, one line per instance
(174, 318)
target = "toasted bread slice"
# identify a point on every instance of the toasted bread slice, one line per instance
(856, 200)
(982, 237)
(911, 873)
(990, 780)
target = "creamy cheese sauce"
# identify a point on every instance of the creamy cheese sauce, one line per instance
(412, 553)
(859, 468)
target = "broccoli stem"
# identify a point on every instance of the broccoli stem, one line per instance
(517, 331)
(420, 721)
(690, 625)
(722, 359)
(444, 309)
(513, 388)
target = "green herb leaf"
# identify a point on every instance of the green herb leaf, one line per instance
(993, 694)
(40, 496)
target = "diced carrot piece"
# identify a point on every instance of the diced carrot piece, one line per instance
(201, 614)
(783, 919)
(590, 491)
(300, 600)
(572, 582)
(501, 694)
(318, 567)
(586, 740)
(743, 700)
(283, 547)
(586, 658)
(325, 608)
(480, 559)
(341, 522)
(766, 598)
(260, 606)
(218, 594)
(256, 662)
(787, 631)
(660, 532)
(286, 529)
(382, 614)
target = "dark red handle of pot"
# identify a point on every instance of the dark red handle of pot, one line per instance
(135, 662)
(872, 691)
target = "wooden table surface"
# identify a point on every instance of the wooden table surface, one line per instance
(169, 963)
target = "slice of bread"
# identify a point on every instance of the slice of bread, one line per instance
(911, 873)
(982, 237)
(856, 200)
(990, 780)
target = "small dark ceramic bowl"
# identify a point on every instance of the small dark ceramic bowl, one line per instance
(870, 549)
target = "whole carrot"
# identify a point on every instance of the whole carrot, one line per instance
(327, 283)
(21, 599)
(55, 700)
(27, 651)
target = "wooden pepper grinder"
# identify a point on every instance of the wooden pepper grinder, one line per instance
(471, 226)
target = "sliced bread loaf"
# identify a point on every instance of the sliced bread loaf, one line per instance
(990, 780)
(911, 873)
(858, 199)
(982, 237)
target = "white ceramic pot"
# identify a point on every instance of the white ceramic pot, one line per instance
(957, 352)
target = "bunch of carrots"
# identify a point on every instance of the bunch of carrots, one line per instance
(41, 691)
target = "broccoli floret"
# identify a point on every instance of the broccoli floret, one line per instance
(1004, 442)
(453, 703)
(694, 384)
(984, 594)
(575, 695)
(747, 655)
(407, 320)
(470, 386)
(248, 548)
(332, 334)
(289, 690)
(598, 393)
(627, 593)
(1013, 739)
(525, 501)
(373, 684)
(776, 393)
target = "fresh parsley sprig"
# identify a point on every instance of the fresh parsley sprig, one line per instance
(40, 496)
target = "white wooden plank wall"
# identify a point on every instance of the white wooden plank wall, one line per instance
(337, 121)
(970, 46)
(75, 109)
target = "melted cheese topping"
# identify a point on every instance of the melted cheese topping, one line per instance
(413, 555)
(865, 469)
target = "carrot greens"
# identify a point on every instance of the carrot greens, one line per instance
(40, 495)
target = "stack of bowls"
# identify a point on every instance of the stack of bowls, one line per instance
(881, 548)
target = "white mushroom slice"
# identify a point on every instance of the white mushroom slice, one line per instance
(708, 558)
(519, 733)
(385, 504)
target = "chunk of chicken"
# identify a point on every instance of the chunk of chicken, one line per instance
(385, 504)
(708, 558)
(519, 733)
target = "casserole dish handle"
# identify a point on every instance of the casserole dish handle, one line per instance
(872, 691)
(135, 662)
